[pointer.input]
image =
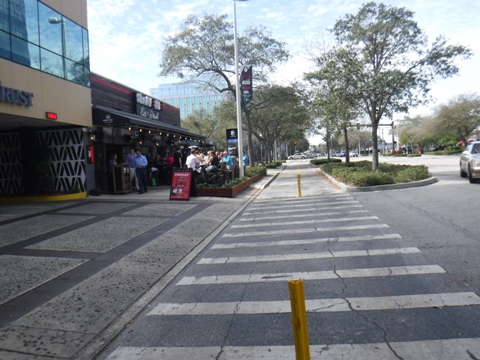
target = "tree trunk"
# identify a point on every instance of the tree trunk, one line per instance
(374, 146)
(249, 138)
(328, 146)
(347, 147)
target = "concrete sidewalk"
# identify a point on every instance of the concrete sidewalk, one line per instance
(75, 273)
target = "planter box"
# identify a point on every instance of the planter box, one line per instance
(228, 192)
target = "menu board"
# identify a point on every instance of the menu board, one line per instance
(181, 185)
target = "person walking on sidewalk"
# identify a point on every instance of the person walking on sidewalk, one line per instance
(130, 159)
(141, 164)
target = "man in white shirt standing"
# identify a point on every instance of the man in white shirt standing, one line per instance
(194, 163)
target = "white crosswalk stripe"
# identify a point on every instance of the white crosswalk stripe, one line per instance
(314, 275)
(316, 209)
(302, 231)
(323, 305)
(302, 205)
(323, 255)
(305, 241)
(307, 222)
(316, 214)
(449, 349)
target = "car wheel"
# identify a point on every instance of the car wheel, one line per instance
(463, 173)
(290, 158)
(470, 178)
(303, 157)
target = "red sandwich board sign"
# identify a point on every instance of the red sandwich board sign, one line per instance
(181, 185)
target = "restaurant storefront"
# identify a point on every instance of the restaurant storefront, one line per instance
(124, 118)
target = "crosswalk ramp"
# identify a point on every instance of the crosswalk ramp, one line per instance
(368, 296)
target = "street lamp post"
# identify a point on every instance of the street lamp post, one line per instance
(237, 93)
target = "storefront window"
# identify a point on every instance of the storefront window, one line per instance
(4, 22)
(73, 39)
(50, 29)
(5, 45)
(24, 19)
(31, 14)
(76, 72)
(25, 53)
(86, 51)
(51, 63)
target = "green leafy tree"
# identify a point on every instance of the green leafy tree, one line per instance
(459, 117)
(278, 113)
(390, 62)
(226, 114)
(201, 122)
(336, 99)
(203, 51)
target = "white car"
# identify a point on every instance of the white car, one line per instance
(470, 162)
(353, 154)
(297, 156)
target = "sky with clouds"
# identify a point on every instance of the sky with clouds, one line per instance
(127, 36)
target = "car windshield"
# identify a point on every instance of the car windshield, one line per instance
(476, 149)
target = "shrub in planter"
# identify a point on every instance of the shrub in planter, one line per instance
(251, 171)
(235, 182)
(318, 162)
(271, 165)
(411, 173)
(361, 174)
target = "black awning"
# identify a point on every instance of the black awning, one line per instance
(105, 116)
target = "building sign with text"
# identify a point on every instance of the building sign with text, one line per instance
(232, 135)
(14, 96)
(147, 106)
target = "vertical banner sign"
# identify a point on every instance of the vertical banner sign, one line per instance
(181, 184)
(246, 89)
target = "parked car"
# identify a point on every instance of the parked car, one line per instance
(470, 162)
(339, 154)
(353, 154)
(297, 156)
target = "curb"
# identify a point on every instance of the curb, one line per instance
(52, 198)
(269, 181)
(348, 188)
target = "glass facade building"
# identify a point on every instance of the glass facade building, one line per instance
(34, 35)
(188, 97)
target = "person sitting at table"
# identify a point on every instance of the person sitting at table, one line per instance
(214, 160)
(194, 163)
(201, 157)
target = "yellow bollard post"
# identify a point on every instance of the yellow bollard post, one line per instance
(299, 319)
(299, 185)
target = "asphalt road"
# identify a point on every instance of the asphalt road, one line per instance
(388, 275)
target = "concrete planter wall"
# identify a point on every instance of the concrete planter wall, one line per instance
(228, 192)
